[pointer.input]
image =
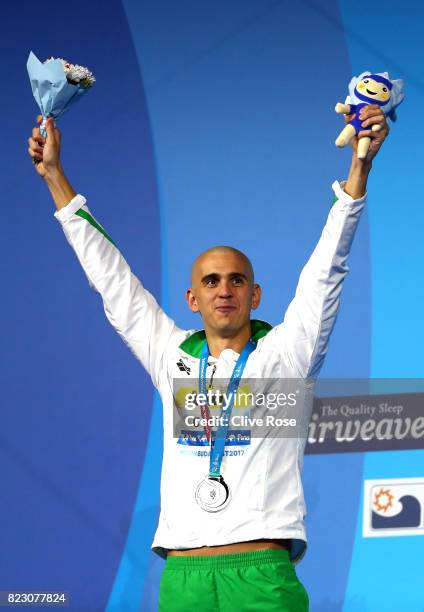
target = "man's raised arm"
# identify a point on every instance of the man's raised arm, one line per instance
(303, 336)
(130, 308)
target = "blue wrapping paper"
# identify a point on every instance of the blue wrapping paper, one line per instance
(50, 88)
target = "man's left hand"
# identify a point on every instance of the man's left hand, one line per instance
(371, 115)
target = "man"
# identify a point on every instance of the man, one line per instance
(231, 537)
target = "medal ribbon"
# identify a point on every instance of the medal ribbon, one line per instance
(217, 451)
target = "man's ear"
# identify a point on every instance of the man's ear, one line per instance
(256, 296)
(191, 300)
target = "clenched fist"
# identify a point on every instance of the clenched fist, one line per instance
(45, 152)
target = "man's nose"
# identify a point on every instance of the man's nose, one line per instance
(225, 289)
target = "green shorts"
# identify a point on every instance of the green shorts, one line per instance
(260, 581)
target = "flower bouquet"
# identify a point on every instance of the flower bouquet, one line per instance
(56, 85)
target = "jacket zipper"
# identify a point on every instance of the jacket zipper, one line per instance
(212, 375)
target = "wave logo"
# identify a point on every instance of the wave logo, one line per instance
(393, 507)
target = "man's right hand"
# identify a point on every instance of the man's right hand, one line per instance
(45, 151)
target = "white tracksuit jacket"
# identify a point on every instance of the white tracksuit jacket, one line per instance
(264, 476)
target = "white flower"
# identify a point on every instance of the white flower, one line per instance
(75, 74)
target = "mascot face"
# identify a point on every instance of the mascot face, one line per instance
(373, 90)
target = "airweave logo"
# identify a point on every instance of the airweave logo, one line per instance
(393, 507)
(183, 367)
(358, 423)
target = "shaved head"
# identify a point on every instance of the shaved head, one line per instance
(220, 250)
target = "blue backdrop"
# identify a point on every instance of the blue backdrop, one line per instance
(209, 123)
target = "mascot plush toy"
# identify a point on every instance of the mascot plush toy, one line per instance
(365, 89)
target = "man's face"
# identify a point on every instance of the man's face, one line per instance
(223, 291)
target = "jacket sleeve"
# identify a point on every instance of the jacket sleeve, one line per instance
(304, 334)
(129, 307)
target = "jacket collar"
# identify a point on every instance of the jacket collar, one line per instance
(193, 344)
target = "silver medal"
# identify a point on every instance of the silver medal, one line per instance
(212, 494)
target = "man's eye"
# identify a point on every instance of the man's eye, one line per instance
(237, 280)
(211, 282)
